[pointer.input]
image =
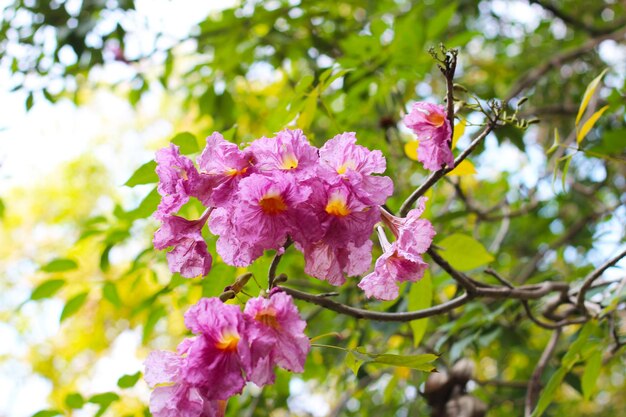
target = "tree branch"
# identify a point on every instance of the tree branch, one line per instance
(531, 77)
(578, 24)
(360, 313)
(589, 279)
(534, 385)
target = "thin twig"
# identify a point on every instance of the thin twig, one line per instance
(589, 279)
(534, 385)
(271, 273)
(532, 76)
(577, 24)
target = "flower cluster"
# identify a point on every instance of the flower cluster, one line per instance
(229, 349)
(429, 122)
(326, 200)
(401, 260)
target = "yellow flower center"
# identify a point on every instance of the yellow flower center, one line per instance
(272, 203)
(337, 206)
(181, 171)
(268, 318)
(344, 167)
(436, 119)
(228, 342)
(233, 172)
(289, 162)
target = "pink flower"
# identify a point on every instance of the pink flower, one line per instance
(401, 260)
(276, 335)
(342, 215)
(270, 209)
(332, 263)
(190, 256)
(342, 160)
(233, 250)
(411, 226)
(178, 180)
(398, 263)
(177, 398)
(219, 355)
(430, 124)
(288, 152)
(223, 165)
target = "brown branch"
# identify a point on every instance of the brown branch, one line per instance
(529, 268)
(578, 24)
(271, 273)
(360, 313)
(459, 277)
(448, 72)
(592, 276)
(502, 383)
(531, 77)
(534, 385)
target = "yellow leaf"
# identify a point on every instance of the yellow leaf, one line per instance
(449, 291)
(410, 149)
(591, 88)
(308, 111)
(459, 129)
(463, 169)
(589, 124)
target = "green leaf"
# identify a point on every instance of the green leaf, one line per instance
(353, 362)
(147, 206)
(59, 265)
(145, 174)
(589, 124)
(128, 381)
(438, 24)
(547, 394)
(569, 360)
(47, 413)
(567, 160)
(73, 305)
(591, 373)
(357, 357)
(419, 362)
(591, 88)
(104, 400)
(105, 263)
(29, 101)
(153, 318)
(465, 253)
(420, 297)
(47, 289)
(2, 209)
(326, 79)
(109, 292)
(572, 356)
(74, 400)
(187, 143)
(304, 83)
(556, 143)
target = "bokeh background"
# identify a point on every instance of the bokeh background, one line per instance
(90, 89)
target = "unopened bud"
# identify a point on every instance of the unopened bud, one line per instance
(280, 279)
(227, 295)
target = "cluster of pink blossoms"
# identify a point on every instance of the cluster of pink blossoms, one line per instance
(325, 200)
(229, 349)
(432, 127)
